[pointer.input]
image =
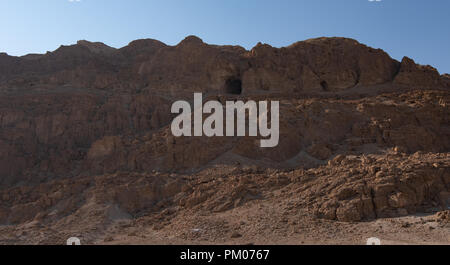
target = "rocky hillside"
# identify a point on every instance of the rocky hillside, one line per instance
(366, 136)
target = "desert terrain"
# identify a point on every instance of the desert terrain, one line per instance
(86, 148)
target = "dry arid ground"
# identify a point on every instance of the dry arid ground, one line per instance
(86, 148)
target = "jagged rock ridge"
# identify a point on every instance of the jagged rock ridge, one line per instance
(89, 110)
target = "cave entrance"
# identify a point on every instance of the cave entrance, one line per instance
(233, 86)
(324, 85)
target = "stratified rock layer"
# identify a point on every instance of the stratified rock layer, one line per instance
(90, 112)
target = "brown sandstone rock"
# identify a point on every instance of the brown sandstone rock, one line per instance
(87, 123)
(415, 75)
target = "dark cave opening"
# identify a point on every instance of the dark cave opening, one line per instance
(324, 85)
(233, 86)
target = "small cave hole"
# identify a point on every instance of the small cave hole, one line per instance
(324, 85)
(233, 86)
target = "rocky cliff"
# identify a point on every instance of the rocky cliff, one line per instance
(91, 110)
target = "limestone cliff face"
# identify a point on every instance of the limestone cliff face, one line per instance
(418, 75)
(92, 109)
(323, 64)
(86, 129)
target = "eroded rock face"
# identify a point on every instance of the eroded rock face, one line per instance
(373, 188)
(91, 110)
(324, 64)
(415, 75)
(349, 188)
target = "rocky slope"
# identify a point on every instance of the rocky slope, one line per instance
(85, 137)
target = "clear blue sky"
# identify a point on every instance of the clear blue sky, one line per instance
(416, 28)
